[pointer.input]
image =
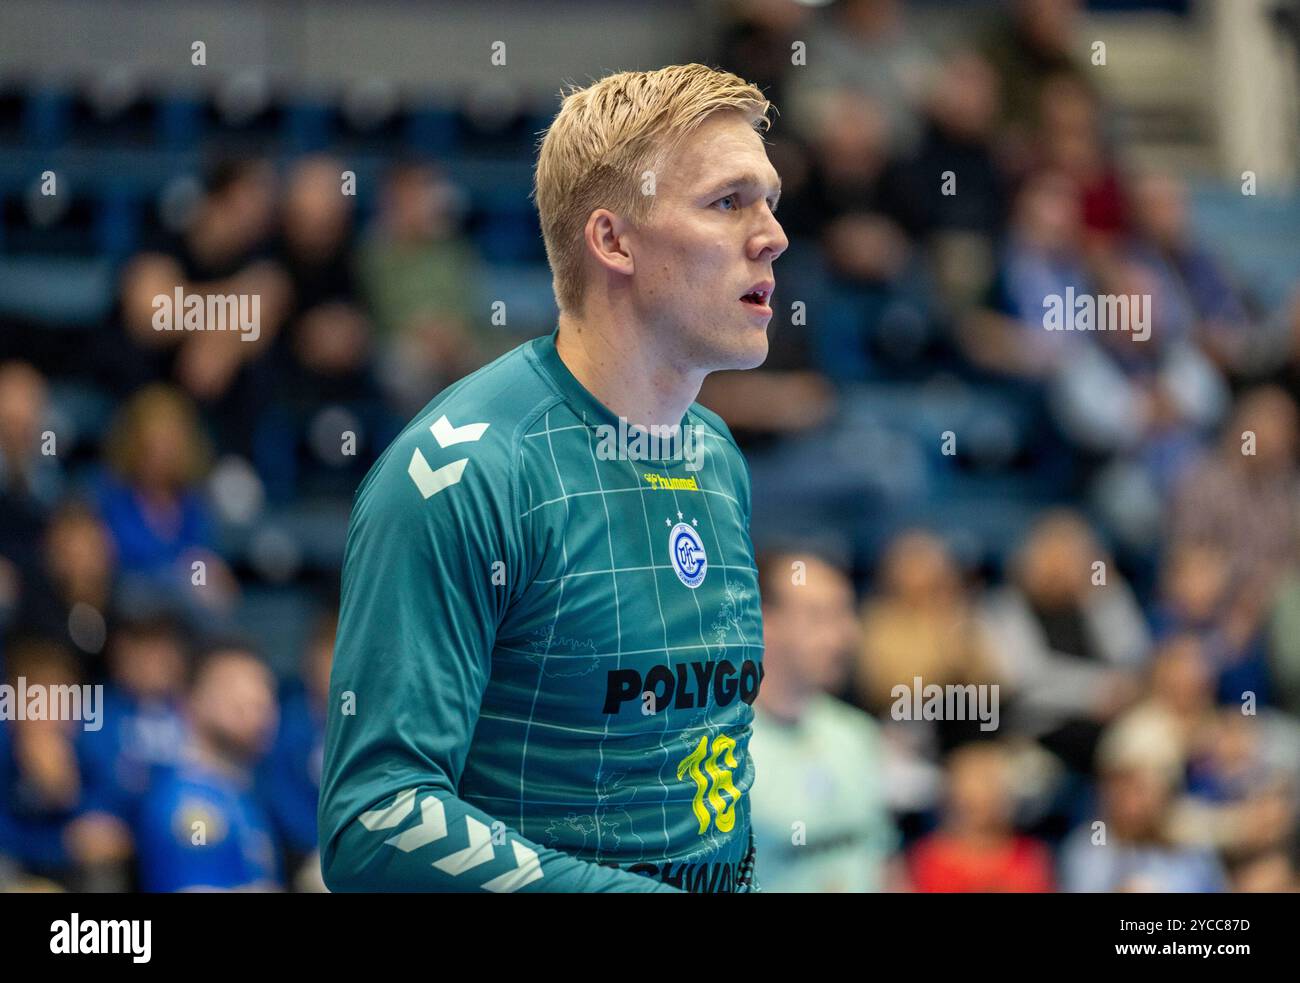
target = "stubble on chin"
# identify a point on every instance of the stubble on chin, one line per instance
(719, 352)
(751, 355)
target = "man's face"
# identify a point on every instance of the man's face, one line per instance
(150, 664)
(710, 240)
(1136, 799)
(234, 705)
(810, 629)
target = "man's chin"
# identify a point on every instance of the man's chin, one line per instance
(749, 355)
(752, 363)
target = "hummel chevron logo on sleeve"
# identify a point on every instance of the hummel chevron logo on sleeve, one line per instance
(429, 481)
(446, 434)
(390, 816)
(528, 869)
(478, 852)
(433, 827)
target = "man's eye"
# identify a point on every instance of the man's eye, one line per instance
(732, 200)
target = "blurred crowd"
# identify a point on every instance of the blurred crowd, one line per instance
(1140, 630)
(116, 567)
(1136, 631)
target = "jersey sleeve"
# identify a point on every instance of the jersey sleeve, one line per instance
(432, 561)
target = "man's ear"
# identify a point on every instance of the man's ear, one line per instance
(605, 237)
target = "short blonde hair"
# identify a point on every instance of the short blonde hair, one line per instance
(606, 136)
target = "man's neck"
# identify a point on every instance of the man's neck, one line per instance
(621, 366)
(208, 754)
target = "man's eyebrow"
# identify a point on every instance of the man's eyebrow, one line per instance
(746, 180)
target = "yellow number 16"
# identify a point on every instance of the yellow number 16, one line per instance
(712, 781)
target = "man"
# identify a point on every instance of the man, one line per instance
(1139, 762)
(550, 640)
(977, 849)
(200, 828)
(144, 726)
(55, 823)
(820, 819)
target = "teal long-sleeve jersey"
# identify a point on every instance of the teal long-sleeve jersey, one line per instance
(548, 649)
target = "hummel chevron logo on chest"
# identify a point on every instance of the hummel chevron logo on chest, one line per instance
(429, 481)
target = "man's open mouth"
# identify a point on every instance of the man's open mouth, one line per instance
(759, 295)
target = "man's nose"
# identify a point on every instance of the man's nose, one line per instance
(770, 241)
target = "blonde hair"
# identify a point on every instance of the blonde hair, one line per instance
(157, 402)
(606, 136)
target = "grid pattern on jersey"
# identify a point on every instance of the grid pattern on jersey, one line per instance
(608, 598)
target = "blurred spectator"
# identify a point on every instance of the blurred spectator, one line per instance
(867, 47)
(856, 184)
(1043, 258)
(420, 277)
(1242, 789)
(1241, 503)
(1198, 598)
(977, 849)
(322, 357)
(921, 623)
(1032, 42)
(1072, 642)
(856, 200)
(1131, 847)
(820, 822)
(1242, 498)
(225, 249)
(330, 334)
(70, 595)
(961, 220)
(757, 40)
(1136, 386)
(959, 114)
(1069, 132)
(289, 776)
(151, 502)
(53, 822)
(143, 730)
(31, 476)
(201, 828)
(1180, 697)
(1198, 297)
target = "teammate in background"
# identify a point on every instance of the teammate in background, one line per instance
(550, 638)
(200, 826)
(820, 820)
